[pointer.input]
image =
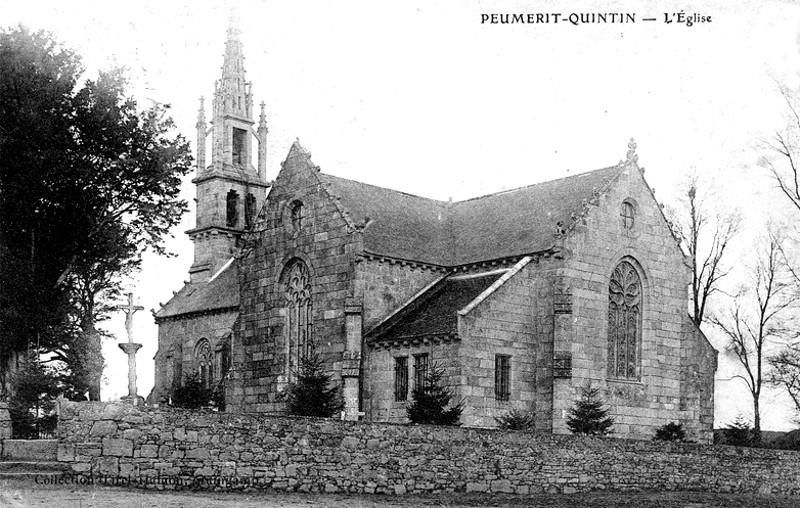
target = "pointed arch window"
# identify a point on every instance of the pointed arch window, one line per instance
(300, 342)
(624, 322)
(204, 361)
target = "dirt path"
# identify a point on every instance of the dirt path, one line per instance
(27, 494)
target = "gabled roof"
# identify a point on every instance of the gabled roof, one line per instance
(500, 225)
(435, 312)
(219, 293)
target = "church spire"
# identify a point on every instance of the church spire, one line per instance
(233, 94)
(201, 137)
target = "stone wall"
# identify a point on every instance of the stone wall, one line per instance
(516, 320)
(324, 241)
(224, 450)
(177, 339)
(676, 364)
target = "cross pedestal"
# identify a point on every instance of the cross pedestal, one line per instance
(130, 348)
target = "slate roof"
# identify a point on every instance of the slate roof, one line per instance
(504, 224)
(435, 312)
(218, 294)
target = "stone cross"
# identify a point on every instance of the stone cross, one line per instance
(130, 348)
(129, 309)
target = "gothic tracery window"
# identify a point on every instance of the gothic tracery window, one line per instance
(300, 343)
(624, 322)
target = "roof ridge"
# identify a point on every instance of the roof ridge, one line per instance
(536, 184)
(385, 188)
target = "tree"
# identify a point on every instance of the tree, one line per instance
(785, 373)
(88, 183)
(706, 233)
(672, 431)
(192, 393)
(431, 401)
(312, 393)
(755, 318)
(588, 416)
(32, 405)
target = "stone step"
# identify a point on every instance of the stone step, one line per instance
(30, 450)
(39, 472)
(17, 466)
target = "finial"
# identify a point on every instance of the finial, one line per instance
(632, 157)
(233, 24)
(263, 117)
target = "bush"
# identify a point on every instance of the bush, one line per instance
(310, 395)
(588, 416)
(738, 433)
(429, 402)
(670, 432)
(32, 405)
(516, 420)
(192, 393)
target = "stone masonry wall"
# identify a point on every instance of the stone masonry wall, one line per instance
(662, 392)
(516, 320)
(177, 338)
(323, 240)
(161, 448)
(387, 285)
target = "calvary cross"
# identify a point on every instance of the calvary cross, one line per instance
(129, 310)
(130, 349)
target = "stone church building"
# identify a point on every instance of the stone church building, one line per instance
(522, 297)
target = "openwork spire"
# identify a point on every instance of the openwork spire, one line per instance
(233, 95)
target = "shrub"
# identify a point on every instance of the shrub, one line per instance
(311, 395)
(429, 402)
(738, 433)
(588, 416)
(32, 405)
(670, 432)
(516, 420)
(192, 393)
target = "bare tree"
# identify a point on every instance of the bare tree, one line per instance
(756, 317)
(786, 372)
(784, 146)
(706, 233)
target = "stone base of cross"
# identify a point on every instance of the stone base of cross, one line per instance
(130, 349)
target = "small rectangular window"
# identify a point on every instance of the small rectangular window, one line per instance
(400, 378)
(420, 370)
(502, 377)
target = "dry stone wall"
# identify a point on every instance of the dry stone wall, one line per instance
(165, 448)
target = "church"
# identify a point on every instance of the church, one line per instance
(521, 297)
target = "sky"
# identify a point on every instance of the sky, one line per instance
(425, 98)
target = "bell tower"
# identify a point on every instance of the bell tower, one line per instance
(230, 190)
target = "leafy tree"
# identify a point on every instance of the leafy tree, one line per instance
(755, 318)
(706, 232)
(588, 416)
(672, 431)
(32, 404)
(516, 420)
(312, 394)
(89, 181)
(192, 393)
(431, 402)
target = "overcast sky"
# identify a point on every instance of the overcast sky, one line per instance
(424, 98)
